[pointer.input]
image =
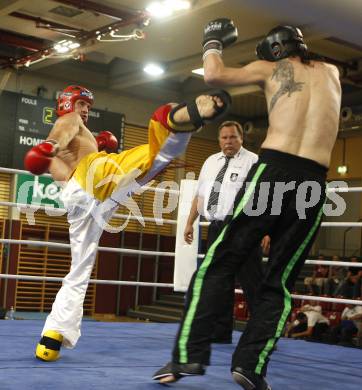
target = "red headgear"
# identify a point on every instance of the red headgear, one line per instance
(70, 95)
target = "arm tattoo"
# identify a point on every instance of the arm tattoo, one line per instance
(284, 74)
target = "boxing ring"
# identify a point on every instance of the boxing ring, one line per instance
(125, 355)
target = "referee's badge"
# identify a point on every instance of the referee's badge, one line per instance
(234, 176)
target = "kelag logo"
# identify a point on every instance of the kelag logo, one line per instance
(38, 190)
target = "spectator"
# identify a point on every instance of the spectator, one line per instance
(336, 276)
(351, 287)
(310, 325)
(318, 282)
(350, 325)
(311, 306)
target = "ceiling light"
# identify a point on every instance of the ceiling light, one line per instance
(61, 49)
(159, 10)
(153, 69)
(342, 169)
(162, 9)
(199, 71)
(64, 46)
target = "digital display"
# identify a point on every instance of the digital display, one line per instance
(49, 115)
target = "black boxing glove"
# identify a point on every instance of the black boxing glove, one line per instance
(196, 118)
(218, 34)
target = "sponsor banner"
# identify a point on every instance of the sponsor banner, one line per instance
(38, 190)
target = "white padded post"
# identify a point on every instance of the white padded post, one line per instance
(185, 254)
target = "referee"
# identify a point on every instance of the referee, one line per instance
(221, 177)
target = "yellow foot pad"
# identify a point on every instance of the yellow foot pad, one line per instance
(49, 346)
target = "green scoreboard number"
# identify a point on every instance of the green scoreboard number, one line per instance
(49, 115)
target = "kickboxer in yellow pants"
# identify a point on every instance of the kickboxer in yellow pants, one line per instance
(96, 183)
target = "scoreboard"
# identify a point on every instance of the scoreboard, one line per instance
(25, 121)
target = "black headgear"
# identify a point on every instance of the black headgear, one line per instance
(281, 42)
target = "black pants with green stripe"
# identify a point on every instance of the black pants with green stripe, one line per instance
(283, 196)
(248, 273)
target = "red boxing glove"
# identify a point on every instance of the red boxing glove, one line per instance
(107, 141)
(38, 159)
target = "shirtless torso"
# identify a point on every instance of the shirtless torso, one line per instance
(69, 154)
(303, 102)
(304, 105)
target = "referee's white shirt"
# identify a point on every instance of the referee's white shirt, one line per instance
(234, 177)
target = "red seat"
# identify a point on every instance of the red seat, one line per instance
(338, 307)
(326, 306)
(297, 303)
(240, 311)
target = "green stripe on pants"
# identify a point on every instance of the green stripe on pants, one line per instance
(287, 297)
(199, 278)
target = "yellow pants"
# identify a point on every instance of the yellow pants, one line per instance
(99, 183)
(100, 173)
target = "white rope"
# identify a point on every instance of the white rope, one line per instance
(204, 223)
(148, 188)
(328, 299)
(60, 211)
(23, 206)
(317, 262)
(328, 262)
(101, 248)
(320, 299)
(334, 263)
(329, 189)
(346, 189)
(341, 224)
(151, 253)
(95, 281)
(167, 285)
(324, 224)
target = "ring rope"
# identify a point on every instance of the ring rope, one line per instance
(320, 299)
(167, 285)
(324, 224)
(101, 248)
(61, 211)
(150, 219)
(333, 263)
(316, 262)
(96, 281)
(168, 254)
(149, 188)
(151, 253)
(328, 299)
(329, 189)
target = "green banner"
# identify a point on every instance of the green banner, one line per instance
(38, 190)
